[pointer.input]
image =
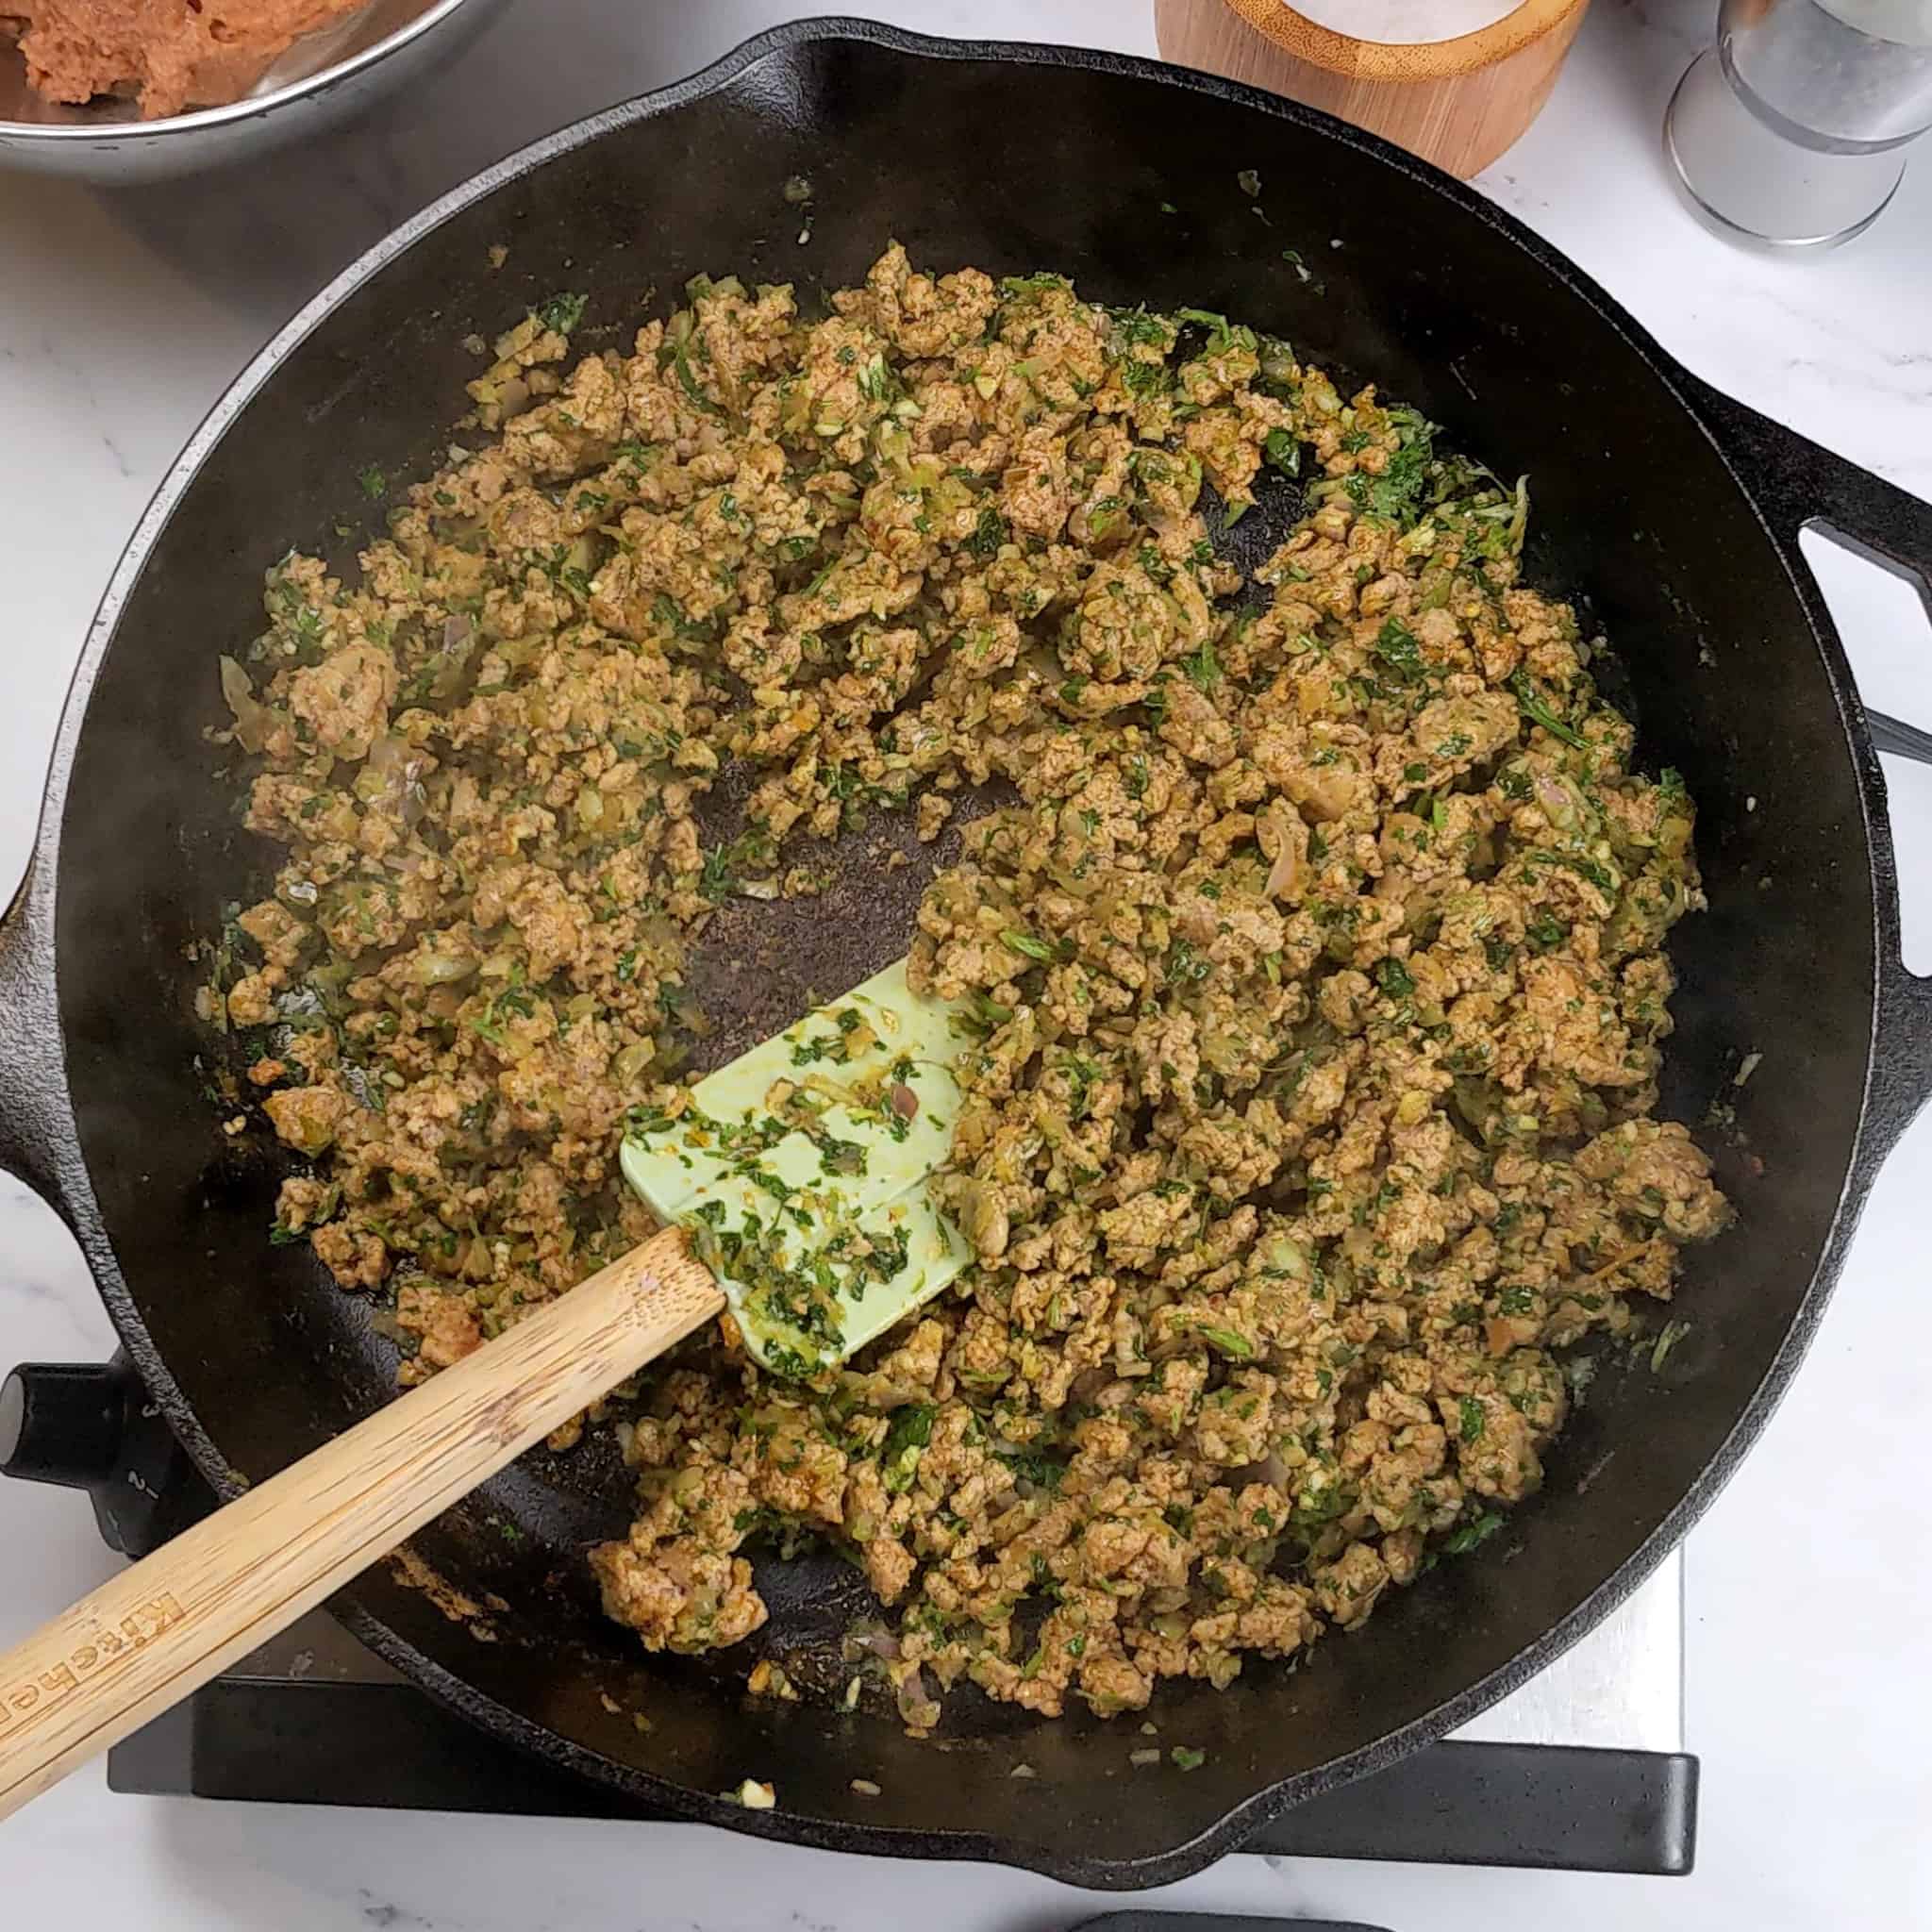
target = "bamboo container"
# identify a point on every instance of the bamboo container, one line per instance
(1458, 103)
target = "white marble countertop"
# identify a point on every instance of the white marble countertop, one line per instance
(1810, 1690)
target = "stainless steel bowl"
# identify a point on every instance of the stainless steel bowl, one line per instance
(323, 80)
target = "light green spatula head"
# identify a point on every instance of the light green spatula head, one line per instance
(801, 1171)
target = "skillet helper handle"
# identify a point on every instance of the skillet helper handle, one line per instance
(164, 1627)
(36, 1129)
(1803, 486)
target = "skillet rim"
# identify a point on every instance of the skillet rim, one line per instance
(34, 908)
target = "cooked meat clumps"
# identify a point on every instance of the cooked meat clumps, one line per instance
(171, 55)
(1315, 951)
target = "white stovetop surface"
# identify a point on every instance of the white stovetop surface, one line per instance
(1811, 1664)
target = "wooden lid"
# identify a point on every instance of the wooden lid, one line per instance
(1357, 59)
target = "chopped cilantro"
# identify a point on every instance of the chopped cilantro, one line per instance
(1395, 494)
(1479, 1529)
(1223, 335)
(1228, 1343)
(1395, 978)
(1032, 1466)
(562, 312)
(1538, 711)
(988, 534)
(1203, 667)
(1397, 647)
(1283, 452)
(1026, 942)
(905, 1441)
(1184, 962)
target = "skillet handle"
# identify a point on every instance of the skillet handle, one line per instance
(1901, 740)
(1802, 485)
(36, 1142)
(164, 1628)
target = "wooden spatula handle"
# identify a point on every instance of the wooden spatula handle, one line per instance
(179, 1617)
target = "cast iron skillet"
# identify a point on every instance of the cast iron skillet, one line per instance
(1675, 512)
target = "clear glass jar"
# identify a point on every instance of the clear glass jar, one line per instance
(1842, 76)
(1788, 134)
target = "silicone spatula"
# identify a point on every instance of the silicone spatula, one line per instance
(800, 1169)
(798, 1174)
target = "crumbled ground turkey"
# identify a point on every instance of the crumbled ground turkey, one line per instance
(1317, 968)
